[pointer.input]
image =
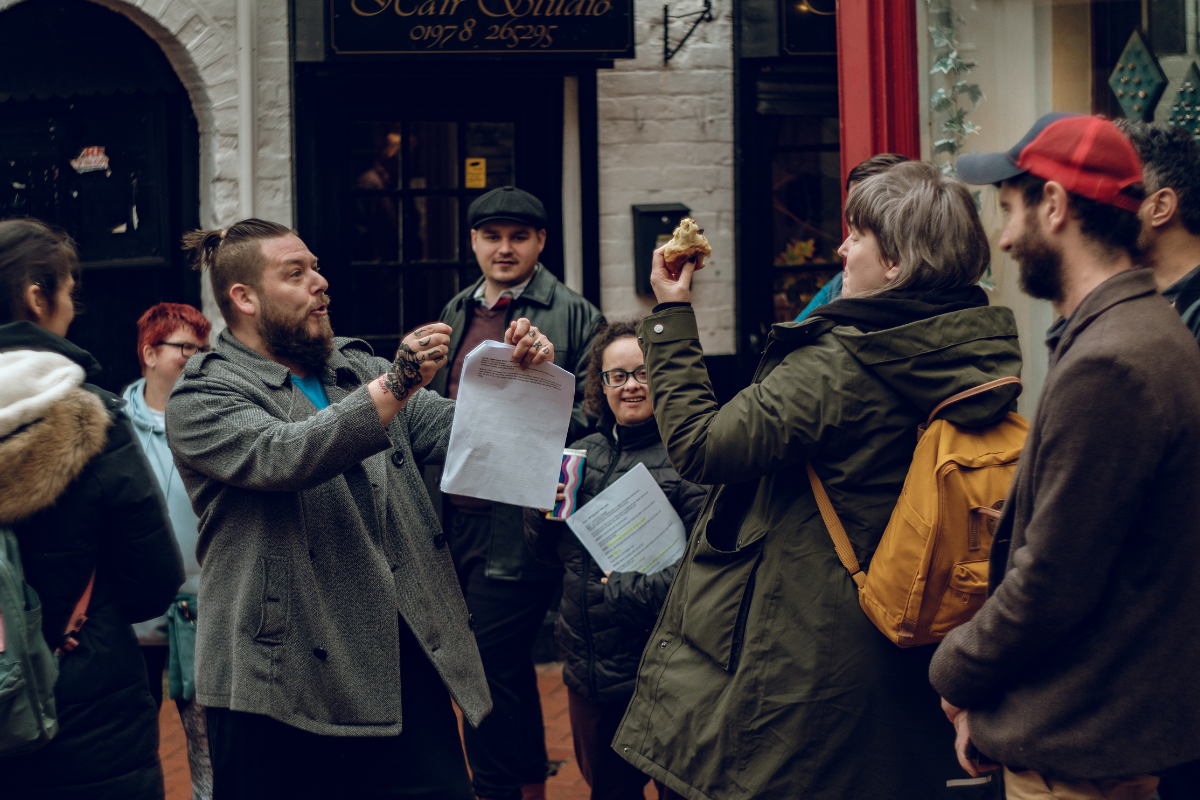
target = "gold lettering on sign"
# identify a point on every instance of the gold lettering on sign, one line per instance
(427, 8)
(484, 9)
(404, 13)
(383, 4)
(453, 6)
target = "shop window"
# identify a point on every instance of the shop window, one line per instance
(410, 184)
(806, 208)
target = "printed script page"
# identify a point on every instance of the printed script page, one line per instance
(630, 526)
(510, 426)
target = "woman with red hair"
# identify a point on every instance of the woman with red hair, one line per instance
(168, 335)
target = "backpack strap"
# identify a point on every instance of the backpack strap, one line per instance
(78, 617)
(984, 387)
(841, 542)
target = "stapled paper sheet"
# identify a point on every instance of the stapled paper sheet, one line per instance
(631, 526)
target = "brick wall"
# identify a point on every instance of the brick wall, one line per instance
(666, 136)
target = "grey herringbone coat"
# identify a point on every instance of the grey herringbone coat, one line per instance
(316, 531)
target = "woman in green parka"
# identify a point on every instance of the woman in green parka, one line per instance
(763, 678)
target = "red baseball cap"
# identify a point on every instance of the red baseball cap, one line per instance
(1087, 155)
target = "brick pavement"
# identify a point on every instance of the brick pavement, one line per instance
(568, 784)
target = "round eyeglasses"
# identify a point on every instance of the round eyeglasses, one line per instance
(616, 378)
(187, 348)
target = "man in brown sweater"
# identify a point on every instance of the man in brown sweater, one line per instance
(1078, 675)
(507, 591)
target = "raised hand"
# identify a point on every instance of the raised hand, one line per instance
(422, 353)
(533, 347)
(671, 286)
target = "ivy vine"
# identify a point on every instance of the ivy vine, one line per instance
(945, 24)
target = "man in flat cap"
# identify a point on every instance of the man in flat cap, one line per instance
(507, 591)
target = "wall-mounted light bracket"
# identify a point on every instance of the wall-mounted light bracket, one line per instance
(704, 15)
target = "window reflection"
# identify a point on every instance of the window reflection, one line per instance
(436, 229)
(375, 154)
(806, 200)
(433, 155)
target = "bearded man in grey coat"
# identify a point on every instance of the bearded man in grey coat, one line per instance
(332, 632)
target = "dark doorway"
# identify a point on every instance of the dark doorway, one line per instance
(97, 136)
(390, 156)
(789, 189)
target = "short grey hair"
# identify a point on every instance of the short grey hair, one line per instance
(925, 221)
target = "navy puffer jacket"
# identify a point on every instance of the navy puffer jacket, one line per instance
(602, 628)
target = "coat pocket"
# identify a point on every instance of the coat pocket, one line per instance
(275, 592)
(720, 584)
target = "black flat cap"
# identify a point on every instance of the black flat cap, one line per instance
(510, 204)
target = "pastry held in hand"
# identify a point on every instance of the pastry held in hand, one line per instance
(687, 243)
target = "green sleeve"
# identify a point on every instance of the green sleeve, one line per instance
(776, 422)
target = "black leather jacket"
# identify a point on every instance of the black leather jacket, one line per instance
(570, 322)
(602, 628)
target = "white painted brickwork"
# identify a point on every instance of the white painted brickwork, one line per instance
(666, 136)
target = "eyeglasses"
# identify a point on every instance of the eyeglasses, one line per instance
(186, 348)
(616, 378)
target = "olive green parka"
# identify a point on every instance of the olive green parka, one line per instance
(763, 678)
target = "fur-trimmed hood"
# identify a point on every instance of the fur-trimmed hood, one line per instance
(50, 428)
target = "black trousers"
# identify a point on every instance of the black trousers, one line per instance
(508, 750)
(255, 757)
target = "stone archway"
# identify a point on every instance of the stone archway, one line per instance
(199, 50)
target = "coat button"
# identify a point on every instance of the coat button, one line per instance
(658, 329)
(397, 458)
(663, 644)
(625, 749)
(439, 541)
(471, 621)
(394, 567)
(320, 653)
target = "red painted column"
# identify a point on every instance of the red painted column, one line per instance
(877, 79)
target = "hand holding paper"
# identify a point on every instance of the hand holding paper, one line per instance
(510, 424)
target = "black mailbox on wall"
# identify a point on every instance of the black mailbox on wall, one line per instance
(653, 225)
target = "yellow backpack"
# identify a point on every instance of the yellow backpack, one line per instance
(930, 571)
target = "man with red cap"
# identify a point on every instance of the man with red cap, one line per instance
(1078, 675)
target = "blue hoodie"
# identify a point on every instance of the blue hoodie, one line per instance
(152, 433)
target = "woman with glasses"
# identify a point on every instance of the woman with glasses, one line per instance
(92, 534)
(604, 621)
(168, 335)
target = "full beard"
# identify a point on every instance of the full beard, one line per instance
(1039, 264)
(291, 340)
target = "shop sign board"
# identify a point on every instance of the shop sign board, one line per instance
(597, 28)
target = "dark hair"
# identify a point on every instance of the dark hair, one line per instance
(926, 222)
(1170, 157)
(1110, 227)
(873, 166)
(232, 255)
(593, 393)
(32, 253)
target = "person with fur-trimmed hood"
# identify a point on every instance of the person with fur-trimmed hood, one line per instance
(78, 492)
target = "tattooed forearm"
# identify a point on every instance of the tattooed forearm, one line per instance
(406, 373)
